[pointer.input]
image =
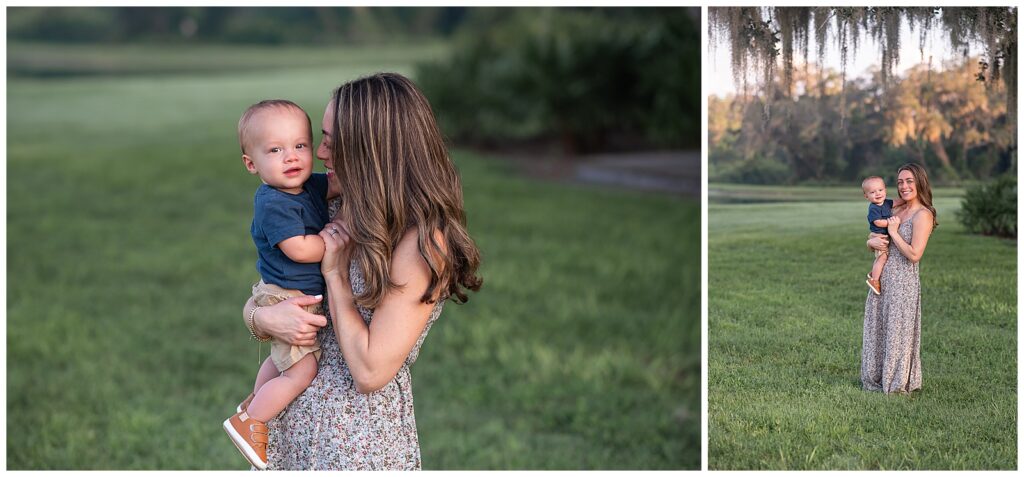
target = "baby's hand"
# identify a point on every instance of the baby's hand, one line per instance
(894, 223)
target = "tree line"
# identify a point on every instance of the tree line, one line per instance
(263, 25)
(843, 129)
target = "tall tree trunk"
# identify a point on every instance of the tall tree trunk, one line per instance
(940, 151)
(919, 151)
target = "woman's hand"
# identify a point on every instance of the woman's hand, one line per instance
(288, 322)
(337, 244)
(878, 242)
(894, 225)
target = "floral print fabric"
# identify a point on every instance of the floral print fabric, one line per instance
(330, 426)
(891, 355)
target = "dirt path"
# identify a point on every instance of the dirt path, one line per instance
(670, 172)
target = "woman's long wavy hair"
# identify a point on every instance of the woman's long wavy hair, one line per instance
(924, 188)
(395, 173)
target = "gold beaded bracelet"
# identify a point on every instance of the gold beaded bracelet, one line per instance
(252, 325)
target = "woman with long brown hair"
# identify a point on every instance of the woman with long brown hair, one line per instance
(397, 249)
(891, 354)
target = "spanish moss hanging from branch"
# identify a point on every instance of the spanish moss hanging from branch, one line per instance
(759, 38)
(751, 40)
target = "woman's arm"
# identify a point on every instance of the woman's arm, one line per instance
(922, 230)
(287, 321)
(878, 242)
(375, 353)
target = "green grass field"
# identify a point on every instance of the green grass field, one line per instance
(785, 311)
(129, 259)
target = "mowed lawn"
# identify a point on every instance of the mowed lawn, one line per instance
(785, 315)
(129, 259)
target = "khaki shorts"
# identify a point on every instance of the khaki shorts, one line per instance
(285, 355)
(879, 252)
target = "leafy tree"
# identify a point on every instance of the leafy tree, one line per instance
(943, 118)
(950, 114)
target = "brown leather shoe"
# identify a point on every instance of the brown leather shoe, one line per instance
(245, 404)
(250, 437)
(874, 285)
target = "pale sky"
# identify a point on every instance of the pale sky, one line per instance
(868, 55)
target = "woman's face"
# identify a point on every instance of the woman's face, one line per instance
(906, 186)
(323, 152)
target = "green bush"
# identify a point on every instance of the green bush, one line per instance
(755, 170)
(473, 98)
(585, 77)
(671, 78)
(991, 209)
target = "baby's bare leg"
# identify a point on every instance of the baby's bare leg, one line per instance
(276, 394)
(267, 372)
(876, 269)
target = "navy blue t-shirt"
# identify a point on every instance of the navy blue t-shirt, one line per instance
(876, 212)
(279, 216)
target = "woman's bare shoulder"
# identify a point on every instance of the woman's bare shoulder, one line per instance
(410, 267)
(408, 245)
(923, 214)
(410, 239)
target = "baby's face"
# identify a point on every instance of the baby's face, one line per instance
(874, 192)
(281, 151)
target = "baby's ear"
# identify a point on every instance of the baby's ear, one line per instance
(249, 165)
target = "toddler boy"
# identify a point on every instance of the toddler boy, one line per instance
(879, 211)
(290, 209)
